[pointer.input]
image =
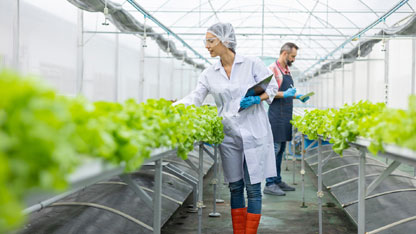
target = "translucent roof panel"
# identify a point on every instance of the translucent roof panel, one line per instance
(262, 27)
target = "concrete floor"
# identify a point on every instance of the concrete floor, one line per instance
(280, 214)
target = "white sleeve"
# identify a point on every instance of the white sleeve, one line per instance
(197, 96)
(260, 71)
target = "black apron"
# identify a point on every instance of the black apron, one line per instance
(280, 112)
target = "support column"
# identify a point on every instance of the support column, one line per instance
(413, 65)
(157, 198)
(361, 193)
(172, 81)
(116, 69)
(16, 37)
(302, 171)
(158, 74)
(334, 88)
(214, 212)
(141, 71)
(293, 155)
(182, 93)
(320, 193)
(200, 204)
(80, 52)
(353, 82)
(386, 73)
(342, 83)
(262, 30)
(368, 80)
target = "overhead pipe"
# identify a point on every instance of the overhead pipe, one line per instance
(166, 29)
(358, 35)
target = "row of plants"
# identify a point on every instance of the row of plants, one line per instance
(380, 124)
(45, 136)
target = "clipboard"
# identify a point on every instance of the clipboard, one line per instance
(258, 89)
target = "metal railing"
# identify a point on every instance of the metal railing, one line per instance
(154, 202)
(398, 154)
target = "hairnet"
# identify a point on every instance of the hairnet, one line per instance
(225, 33)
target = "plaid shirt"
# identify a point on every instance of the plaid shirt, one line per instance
(274, 67)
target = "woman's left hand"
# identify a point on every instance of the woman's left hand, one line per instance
(249, 101)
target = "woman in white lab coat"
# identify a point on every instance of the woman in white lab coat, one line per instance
(247, 150)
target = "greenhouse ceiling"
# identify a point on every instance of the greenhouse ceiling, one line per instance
(317, 27)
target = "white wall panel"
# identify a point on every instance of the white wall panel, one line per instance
(48, 48)
(400, 72)
(360, 87)
(348, 83)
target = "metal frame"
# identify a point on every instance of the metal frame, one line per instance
(277, 11)
(302, 171)
(293, 156)
(380, 194)
(106, 208)
(320, 193)
(214, 183)
(397, 154)
(145, 189)
(369, 175)
(350, 165)
(155, 202)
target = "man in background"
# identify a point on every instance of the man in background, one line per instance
(280, 114)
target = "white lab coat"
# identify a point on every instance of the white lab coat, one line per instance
(247, 133)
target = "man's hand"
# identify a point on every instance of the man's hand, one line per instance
(302, 100)
(248, 101)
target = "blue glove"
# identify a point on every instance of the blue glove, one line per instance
(248, 101)
(290, 92)
(304, 100)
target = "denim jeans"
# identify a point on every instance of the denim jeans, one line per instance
(253, 194)
(279, 148)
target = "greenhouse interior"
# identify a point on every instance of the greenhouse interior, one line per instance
(208, 116)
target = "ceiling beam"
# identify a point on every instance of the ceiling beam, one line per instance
(277, 11)
(271, 27)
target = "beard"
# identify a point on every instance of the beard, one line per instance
(289, 63)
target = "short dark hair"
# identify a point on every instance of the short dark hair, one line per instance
(288, 46)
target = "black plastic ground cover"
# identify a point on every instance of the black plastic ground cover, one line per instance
(91, 220)
(380, 210)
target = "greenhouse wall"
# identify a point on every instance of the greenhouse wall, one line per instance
(400, 72)
(365, 78)
(111, 61)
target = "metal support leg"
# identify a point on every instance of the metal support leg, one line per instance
(200, 186)
(187, 178)
(219, 177)
(214, 212)
(302, 172)
(126, 178)
(293, 155)
(380, 178)
(320, 192)
(157, 198)
(286, 154)
(361, 193)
